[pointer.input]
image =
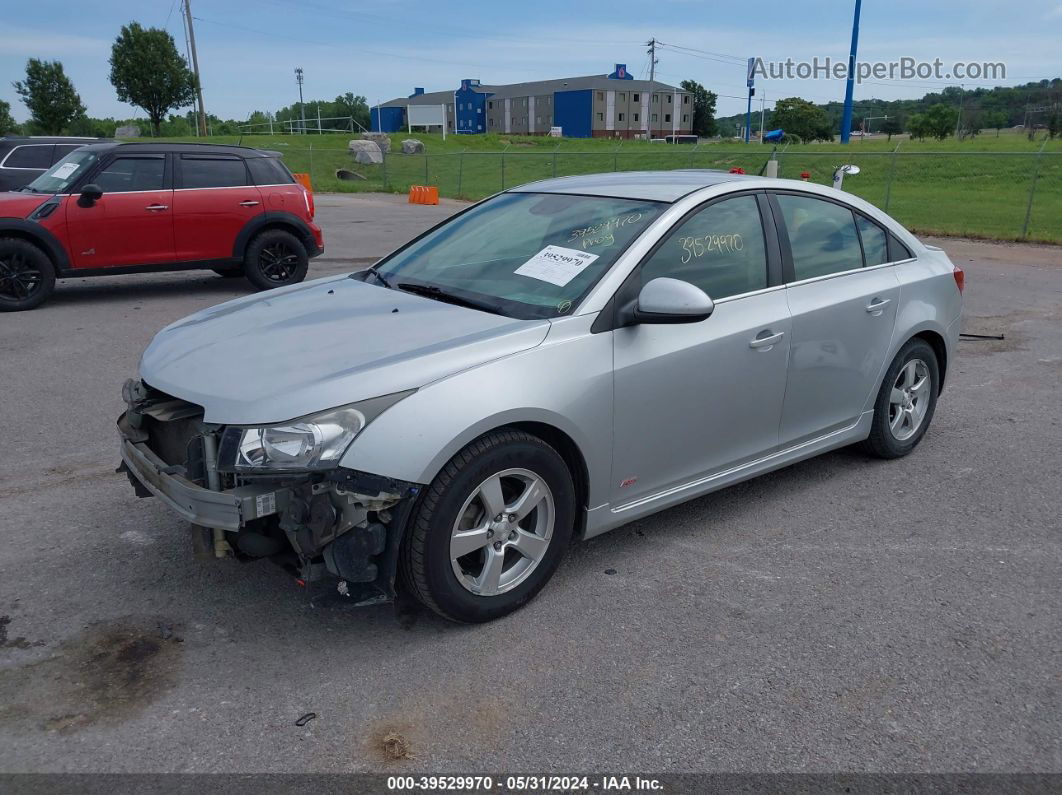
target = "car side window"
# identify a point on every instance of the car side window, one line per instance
(822, 236)
(62, 150)
(875, 242)
(124, 174)
(720, 249)
(269, 171)
(213, 172)
(29, 156)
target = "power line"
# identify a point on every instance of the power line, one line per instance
(737, 60)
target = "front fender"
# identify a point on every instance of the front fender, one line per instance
(566, 383)
(42, 237)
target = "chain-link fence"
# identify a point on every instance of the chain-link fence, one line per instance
(1004, 195)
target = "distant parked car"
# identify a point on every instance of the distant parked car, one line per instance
(24, 159)
(130, 207)
(553, 362)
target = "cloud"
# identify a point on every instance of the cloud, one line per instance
(1054, 13)
(47, 44)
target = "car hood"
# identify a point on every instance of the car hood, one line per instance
(14, 204)
(290, 352)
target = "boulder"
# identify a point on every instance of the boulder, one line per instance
(127, 131)
(383, 140)
(366, 152)
(411, 146)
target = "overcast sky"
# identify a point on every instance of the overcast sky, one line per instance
(248, 49)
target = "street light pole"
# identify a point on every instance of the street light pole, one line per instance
(846, 119)
(202, 127)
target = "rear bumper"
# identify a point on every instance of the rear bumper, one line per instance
(226, 510)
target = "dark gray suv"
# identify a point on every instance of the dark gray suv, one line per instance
(23, 159)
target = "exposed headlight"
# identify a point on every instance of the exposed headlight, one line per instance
(314, 442)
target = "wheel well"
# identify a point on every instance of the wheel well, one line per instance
(33, 241)
(300, 234)
(573, 458)
(940, 348)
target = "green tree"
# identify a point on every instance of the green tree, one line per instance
(148, 72)
(891, 126)
(799, 117)
(50, 96)
(703, 108)
(7, 121)
(352, 105)
(995, 120)
(1054, 123)
(939, 121)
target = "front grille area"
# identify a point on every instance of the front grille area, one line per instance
(174, 428)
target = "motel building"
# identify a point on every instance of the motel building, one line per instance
(596, 106)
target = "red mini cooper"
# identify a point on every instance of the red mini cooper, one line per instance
(114, 208)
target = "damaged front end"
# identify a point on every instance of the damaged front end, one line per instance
(325, 522)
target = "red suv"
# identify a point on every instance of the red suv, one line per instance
(138, 207)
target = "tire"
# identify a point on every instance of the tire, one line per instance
(459, 586)
(275, 258)
(228, 273)
(27, 276)
(903, 410)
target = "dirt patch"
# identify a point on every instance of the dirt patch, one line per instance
(19, 642)
(106, 674)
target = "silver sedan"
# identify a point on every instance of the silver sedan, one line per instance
(546, 365)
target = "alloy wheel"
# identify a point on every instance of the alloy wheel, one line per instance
(502, 532)
(19, 278)
(909, 400)
(278, 262)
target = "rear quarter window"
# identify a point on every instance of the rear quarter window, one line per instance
(269, 171)
(29, 156)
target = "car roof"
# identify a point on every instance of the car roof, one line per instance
(47, 139)
(167, 146)
(662, 186)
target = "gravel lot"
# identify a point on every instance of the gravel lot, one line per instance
(842, 614)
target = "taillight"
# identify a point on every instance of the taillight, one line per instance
(310, 207)
(960, 277)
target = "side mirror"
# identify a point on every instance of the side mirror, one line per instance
(90, 194)
(667, 300)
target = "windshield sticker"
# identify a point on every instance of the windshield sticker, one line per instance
(699, 246)
(65, 170)
(556, 265)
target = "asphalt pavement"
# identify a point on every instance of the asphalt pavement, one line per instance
(841, 614)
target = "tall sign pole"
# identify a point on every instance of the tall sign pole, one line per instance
(652, 78)
(750, 82)
(846, 119)
(195, 70)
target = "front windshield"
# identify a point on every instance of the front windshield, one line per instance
(525, 255)
(64, 173)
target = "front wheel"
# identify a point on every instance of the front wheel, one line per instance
(491, 529)
(275, 258)
(27, 277)
(906, 401)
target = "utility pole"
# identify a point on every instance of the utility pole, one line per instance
(958, 120)
(302, 108)
(652, 77)
(763, 101)
(195, 69)
(846, 119)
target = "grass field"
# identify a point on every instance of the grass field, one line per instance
(975, 188)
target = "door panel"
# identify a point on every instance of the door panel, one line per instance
(131, 224)
(212, 205)
(691, 400)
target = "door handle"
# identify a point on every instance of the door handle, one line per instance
(157, 207)
(248, 203)
(766, 342)
(877, 306)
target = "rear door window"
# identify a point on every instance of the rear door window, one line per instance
(213, 172)
(822, 236)
(125, 174)
(875, 242)
(30, 156)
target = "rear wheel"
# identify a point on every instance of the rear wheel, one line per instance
(27, 277)
(906, 401)
(275, 258)
(491, 529)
